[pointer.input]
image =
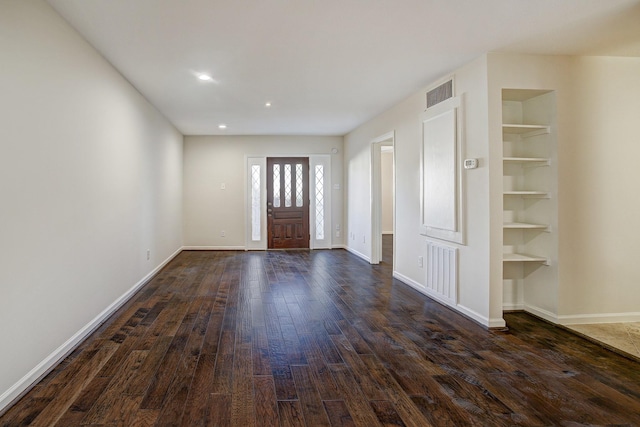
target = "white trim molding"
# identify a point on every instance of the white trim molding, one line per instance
(214, 248)
(581, 319)
(358, 254)
(541, 313)
(25, 383)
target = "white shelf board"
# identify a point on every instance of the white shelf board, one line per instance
(524, 258)
(542, 160)
(525, 130)
(527, 193)
(524, 225)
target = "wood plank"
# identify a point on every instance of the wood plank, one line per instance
(290, 413)
(106, 408)
(338, 412)
(175, 399)
(160, 383)
(370, 388)
(310, 400)
(386, 413)
(266, 406)
(357, 403)
(90, 394)
(402, 406)
(323, 379)
(59, 405)
(220, 414)
(242, 404)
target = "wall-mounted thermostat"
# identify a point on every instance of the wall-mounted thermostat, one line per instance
(470, 163)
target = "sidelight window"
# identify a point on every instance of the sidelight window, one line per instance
(319, 202)
(255, 203)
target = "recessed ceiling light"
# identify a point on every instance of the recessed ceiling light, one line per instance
(222, 126)
(267, 104)
(205, 77)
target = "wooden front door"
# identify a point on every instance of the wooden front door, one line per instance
(288, 202)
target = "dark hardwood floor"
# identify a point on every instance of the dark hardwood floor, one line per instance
(321, 338)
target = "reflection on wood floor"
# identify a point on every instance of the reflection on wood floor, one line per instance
(321, 338)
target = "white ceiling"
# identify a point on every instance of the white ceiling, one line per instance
(327, 66)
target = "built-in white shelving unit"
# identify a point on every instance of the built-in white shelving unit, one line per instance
(529, 243)
(526, 146)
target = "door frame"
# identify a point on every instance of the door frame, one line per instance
(261, 160)
(387, 139)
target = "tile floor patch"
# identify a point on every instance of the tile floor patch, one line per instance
(623, 336)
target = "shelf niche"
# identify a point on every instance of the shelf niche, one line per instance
(529, 188)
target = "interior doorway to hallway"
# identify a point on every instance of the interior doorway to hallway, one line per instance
(386, 199)
(383, 199)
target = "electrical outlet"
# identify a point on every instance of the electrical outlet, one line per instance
(148, 254)
(222, 233)
(420, 261)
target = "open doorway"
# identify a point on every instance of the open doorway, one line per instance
(383, 199)
(386, 202)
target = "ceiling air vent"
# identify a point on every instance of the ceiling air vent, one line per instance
(440, 93)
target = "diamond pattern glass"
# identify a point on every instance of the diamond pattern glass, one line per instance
(255, 203)
(319, 202)
(287, 186)
(299, 188)
(276, 186)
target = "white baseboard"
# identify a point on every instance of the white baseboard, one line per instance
(581, 319)
(408, 281)
(25, 383)
(338, 247)
(213, 248)
(487, 322)
(467, 312)
(387, 232)
(358, 254)
(575, 319)
(541, 313)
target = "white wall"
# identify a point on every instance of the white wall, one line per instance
(210, 161)
(386, 175)
(473, 288)
(599, 197)
(90, 178)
